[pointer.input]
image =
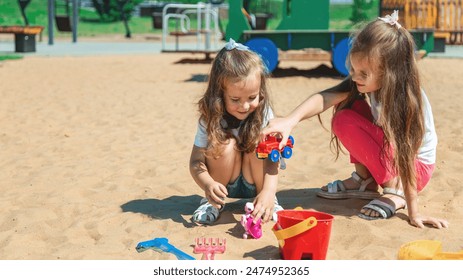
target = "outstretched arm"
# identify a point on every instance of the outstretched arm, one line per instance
(313, 105)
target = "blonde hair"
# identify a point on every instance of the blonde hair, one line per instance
(392, 51)
(232, 66)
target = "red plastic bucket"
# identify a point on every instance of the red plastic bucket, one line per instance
(303, 234)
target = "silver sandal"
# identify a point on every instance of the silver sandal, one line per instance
(337, 190)
(384, 209)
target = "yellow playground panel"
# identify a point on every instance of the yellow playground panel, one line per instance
(444, 16)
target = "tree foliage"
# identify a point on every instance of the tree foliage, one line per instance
(115, 10)
(359, 10)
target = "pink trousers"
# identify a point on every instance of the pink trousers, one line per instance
(363, 139)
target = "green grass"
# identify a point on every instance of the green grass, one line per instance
(37, 14)
(9, 56)
(90, 27)
(10, 14)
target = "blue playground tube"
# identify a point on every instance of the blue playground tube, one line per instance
(340, 53)
(267, 50)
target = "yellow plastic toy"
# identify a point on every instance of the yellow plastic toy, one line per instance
(426, 250)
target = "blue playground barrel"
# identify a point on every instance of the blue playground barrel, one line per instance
(340, 53)
(267, 50)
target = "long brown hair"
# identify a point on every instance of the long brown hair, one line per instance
(232, 66)
(392, 51)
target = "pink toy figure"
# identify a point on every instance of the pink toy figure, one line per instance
(251, 228)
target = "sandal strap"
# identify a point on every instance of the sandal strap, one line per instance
(382, 208)
(392, 191)
(335, 186)
(362, 182)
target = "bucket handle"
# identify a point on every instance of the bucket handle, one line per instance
(296, 229)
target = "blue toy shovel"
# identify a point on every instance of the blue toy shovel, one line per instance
(162, 245)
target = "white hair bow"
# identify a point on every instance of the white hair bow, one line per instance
(234, 45)
(392, 19)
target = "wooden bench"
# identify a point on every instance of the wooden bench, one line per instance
(24, 36)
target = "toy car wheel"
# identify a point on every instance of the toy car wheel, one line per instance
(287, 152)
(291, 138)
(274, 156)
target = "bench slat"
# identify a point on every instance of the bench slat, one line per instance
(29, 30)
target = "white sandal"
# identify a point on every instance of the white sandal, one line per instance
(337, 190)
(206, 213)
(277, 207)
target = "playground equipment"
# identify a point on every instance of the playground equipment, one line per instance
(64, 22)
(63, 16)
(207, 29)
(444, 16)
(304, 26)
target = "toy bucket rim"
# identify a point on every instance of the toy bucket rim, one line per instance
(327, 217)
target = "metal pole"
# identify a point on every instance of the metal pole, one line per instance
(207, 26)
(75, 19)
(198, 31)
(51, 16)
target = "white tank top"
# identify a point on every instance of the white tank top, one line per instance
(427, 151)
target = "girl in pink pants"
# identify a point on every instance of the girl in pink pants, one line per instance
(362, 138)
(391, 139)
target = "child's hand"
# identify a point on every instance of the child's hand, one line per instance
(264, 203)
(419, 221)
(280, 126)
(216, 194)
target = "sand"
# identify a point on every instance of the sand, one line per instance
(95, 149)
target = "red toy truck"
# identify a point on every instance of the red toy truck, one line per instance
(269, 148)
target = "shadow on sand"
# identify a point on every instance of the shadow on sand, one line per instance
(320, 71)
(172, 208)
(308, 199)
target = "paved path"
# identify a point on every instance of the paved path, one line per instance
(99, 48)
(450, 52)
(93, 48)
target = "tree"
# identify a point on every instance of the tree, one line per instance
(23, 4)
(359, 10)
(115, 10)
(121, 5)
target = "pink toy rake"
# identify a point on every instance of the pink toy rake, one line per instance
(209, 247)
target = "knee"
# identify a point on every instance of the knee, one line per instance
(231, 144)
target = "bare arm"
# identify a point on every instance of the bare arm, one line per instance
(214, 191)
(313, 105)
(416, 219)
(265, 200)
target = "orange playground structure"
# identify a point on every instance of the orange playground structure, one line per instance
(444, 16)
